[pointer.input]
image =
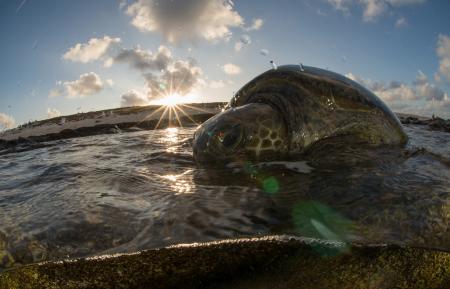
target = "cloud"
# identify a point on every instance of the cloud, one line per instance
(231, 69)
(372, 9)
(257, 23)
(341, 5)
(406, 97)
(427, 90)
(180, 20)
(133, 98)
(443, 52)
(163, 74)
(243, 41)
(52, 112)
(145, 60)
(180, 77)
(7, 121)
(401, 22)
(108, 62)
(109, 82)
(93, 50)
(87, 84)
(394, 90)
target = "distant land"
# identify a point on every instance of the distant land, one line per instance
(143, 118)
(104, 121)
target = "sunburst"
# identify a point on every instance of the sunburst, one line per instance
(174, 105)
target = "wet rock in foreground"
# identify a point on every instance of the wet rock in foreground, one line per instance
(268, 262)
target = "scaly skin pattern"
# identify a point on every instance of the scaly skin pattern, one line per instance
(268, 135)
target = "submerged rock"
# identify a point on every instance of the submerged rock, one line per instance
(268, 262)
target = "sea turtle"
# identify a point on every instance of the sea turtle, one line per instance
(288, 110)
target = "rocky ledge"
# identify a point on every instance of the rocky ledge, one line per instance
(434, 123)
(266, 262)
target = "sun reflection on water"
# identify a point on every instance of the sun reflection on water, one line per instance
(170, 138)
(182, 183)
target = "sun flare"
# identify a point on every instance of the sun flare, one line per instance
(175, 99)
(173, 108)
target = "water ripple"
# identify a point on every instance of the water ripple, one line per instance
(139, 190)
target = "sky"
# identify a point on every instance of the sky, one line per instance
(63, 57)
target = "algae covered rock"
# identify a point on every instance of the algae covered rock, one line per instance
(267, 262)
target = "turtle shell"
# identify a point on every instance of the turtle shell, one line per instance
(318, 103)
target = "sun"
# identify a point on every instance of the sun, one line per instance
(172, 100)
(175, 99)
(172, 108)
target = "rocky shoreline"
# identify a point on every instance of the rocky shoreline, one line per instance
(34, 135)
(12, 141)
(433, 123)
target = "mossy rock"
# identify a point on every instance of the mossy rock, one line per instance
(268, 262)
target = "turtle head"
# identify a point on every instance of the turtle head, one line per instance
(252, 131)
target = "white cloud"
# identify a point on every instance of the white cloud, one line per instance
(110, 82)
(52, 112)
(179, 20)
(133, 98)
(181, 77)
(421, 89)
(217, 84)
(87, 84)
(6, 121)
(341, 5)
(145, 60)
(406, 98)
(243, 41)
(443, 52)
(94, 49)
(401, 22)
(108, 62)
(372, 9)
(426, 89)
(257, 23)
(163, 73)
(231, 69)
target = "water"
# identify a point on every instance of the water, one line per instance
(140, 190)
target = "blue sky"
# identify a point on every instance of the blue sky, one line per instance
(128, 51)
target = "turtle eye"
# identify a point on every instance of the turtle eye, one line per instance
(231, 137)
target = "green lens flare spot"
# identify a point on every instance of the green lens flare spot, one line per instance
(316, 220)
(270, 185)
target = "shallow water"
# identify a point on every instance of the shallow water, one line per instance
(140, 190)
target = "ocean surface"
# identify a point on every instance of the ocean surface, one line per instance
(131, 191)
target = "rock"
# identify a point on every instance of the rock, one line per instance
(266, 262)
